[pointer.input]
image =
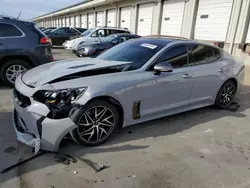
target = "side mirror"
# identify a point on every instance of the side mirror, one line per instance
(163, 67)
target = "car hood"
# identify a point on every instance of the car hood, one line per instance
(52, 71)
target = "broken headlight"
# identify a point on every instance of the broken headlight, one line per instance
(59, 101)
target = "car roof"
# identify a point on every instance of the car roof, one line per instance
(9, 19)
(165, 39)
(125, 34)
(108, 27)
(161, 41)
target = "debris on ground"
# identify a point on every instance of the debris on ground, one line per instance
(22, 162)
(130, 132)
(97, 167)
(133, 176)
(62, 158)
(65, 159)
(75, 172)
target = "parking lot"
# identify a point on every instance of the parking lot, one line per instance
(205, 148)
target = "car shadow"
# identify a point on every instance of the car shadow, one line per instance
(152, 129)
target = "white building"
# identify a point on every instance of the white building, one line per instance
(225, 22)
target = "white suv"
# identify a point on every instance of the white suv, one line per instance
(93, 35)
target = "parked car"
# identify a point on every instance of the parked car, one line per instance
(42, 28)
(94, 49)
(22, 46)
(60, 35)
(133, 82)
(48, 30)
(93, 35)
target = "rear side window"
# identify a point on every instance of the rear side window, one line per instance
(200, 54)
(8, 30)
(176, 56)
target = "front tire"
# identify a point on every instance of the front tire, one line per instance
(225, 95)
(11, 70)
(98, 122)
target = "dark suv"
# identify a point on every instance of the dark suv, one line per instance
(60, 35)
(22, 46)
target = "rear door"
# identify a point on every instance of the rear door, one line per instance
(13, 37)
(209, 73)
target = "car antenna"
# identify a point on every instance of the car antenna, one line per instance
(19, 15)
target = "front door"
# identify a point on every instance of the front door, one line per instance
(209, 74)
(169, 91)
(2, 47)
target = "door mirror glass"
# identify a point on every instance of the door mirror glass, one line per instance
(163, 67)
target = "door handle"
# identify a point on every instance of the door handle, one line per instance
(186, 76)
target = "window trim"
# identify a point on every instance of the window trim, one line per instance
(212, 48)
(23, 34)
(169, 48)
(91, 35)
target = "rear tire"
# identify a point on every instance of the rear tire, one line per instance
(12, 69)
(226, 95)
(97, 124)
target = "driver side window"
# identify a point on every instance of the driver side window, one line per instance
(177, 56)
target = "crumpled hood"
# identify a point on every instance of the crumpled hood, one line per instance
(48, 72)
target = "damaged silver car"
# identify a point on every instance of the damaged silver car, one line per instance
(133, 82)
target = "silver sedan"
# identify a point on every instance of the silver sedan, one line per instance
(133, 82)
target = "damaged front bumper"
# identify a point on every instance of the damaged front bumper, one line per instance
(33, 127)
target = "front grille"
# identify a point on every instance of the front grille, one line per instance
(24, 101)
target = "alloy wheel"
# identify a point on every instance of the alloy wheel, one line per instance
(227, 95)
(96, 124)
(14, 71)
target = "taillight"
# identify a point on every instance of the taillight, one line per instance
(45, 40)
(51, 58)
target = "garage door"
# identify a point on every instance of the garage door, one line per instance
(62, 22)
(172, 17)
(248, 35)
(91, 21)
(111, 18)
(83, 21)
(125, 17)
(59, 22)
(213, 19)
(99, 19)
(77, 21)
(72, 21)
(145, 17)
(67, 22)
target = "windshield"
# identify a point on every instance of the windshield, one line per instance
(138, 52)
(85, 33)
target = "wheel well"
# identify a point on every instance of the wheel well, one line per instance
(115, 103)
(19, 57)
(235, 81)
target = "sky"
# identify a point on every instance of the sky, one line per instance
(32, 8)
